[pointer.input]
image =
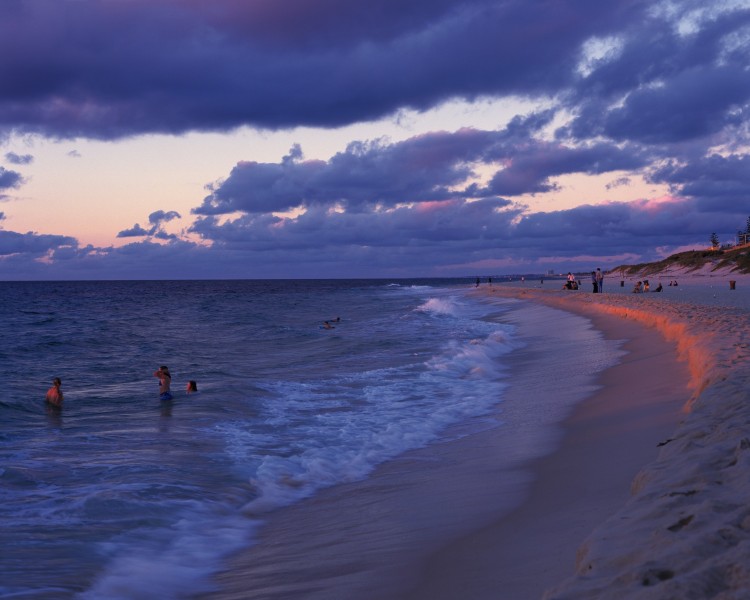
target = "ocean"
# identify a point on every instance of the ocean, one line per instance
(122, 496)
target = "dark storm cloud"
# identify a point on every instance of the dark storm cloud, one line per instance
(425, 168)
(458, 228)
(665, 85)
(668, 100)
(88, 68)
(431, 223)
(422, 168)
(696, 103)
(19, 159)
(9, 179)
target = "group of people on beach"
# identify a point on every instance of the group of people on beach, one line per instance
(54, 395)
(597, 280)
(644, 286)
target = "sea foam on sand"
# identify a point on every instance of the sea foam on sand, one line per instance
(685, 532)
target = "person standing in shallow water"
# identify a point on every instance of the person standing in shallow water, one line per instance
(54, 395)
(600, 279)
(165, 381)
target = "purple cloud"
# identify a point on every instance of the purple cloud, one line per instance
(717, 183)
(86, 68)
(425, 168)
(529, 169)
(31, 244)
(19, 159)
(135, 231)
(9, 179)
(666, 86)
(156, 219)
(666, 102)
(442, 238)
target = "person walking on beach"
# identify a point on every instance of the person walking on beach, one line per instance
(594, 281)
(54, 395)
(165, 380)
(600, 280)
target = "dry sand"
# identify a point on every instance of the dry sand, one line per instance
(685, 531)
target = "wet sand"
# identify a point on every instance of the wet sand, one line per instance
(608, 439)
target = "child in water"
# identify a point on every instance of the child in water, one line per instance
(165, 380)
(192, 386)
(54, 395)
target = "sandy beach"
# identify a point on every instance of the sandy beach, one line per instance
(685, 530)
(606, 441)
(643, 498)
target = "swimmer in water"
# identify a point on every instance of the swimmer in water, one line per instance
(165, 380)
(54, 395)
(327, 325)
(192, 386)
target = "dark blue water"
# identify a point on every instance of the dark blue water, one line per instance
(120, 495)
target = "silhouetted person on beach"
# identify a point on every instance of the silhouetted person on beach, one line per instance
(54, 395)
(659, 287)
(600, 280)
(594, 282)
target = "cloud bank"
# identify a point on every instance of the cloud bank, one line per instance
(631, 90)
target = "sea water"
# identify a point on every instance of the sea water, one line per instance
(120, 495)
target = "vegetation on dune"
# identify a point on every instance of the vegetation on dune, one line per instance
(733, 259)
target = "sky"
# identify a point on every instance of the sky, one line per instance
(184, 139)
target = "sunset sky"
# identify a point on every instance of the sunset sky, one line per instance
(178, 139)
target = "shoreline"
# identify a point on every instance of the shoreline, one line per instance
(685, 531)
(346, 504)
(608, 438)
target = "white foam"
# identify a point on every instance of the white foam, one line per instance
(338, 430)
(173, 563)
(440, 306)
